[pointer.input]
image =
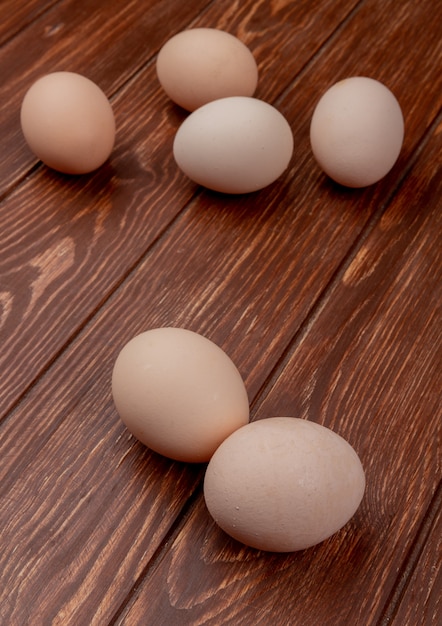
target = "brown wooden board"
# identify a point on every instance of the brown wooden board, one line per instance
(16, 16)
(106, 41)
(355, 370)
(416, 598)
(68, 242)
(327, 299)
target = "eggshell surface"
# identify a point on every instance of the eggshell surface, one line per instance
(283, 484)
(234, 145)
(199, 65)
(356, 131)
(178, 393)
(68, 122)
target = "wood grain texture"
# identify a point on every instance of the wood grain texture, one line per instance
(417, 598)
(85, 245)
(18, 15)
(354, 372)
(328, 300)
(106, 41)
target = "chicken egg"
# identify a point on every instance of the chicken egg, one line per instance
(356, 131)
(234, 145)
(199, 65)
(283, 484)
(178, 393)
(68, 122)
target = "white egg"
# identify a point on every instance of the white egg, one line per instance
(356, 131)
(234, 145)
(283, 484)
(178, 393)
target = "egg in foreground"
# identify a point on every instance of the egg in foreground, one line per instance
(283, 484)
(356, 131)
(199, 65)
(68, 122)
(178, 393)
(234, 145)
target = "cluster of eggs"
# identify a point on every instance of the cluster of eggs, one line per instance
(280, 483)
(231, 142)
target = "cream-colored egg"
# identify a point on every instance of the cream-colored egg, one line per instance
(199, 65)
(356, 131)
(178, 393)
(283, 484)
(68, 122)
(234, 145)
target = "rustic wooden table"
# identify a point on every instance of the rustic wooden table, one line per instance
(327, 299)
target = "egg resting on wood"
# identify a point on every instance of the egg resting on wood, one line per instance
(283, 484)
(356, 131)
(68, 122)
(178, 393)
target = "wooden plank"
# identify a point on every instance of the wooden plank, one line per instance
(79, 496)
(67, 242)
(108, 42)
(418, 601)
(84, 508)
(18, 15)
(354, 369)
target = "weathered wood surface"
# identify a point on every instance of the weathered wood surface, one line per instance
(355, 370)
(75, 255)
(328, 300)
(417, 594)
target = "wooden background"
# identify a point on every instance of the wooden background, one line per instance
(327, 299)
